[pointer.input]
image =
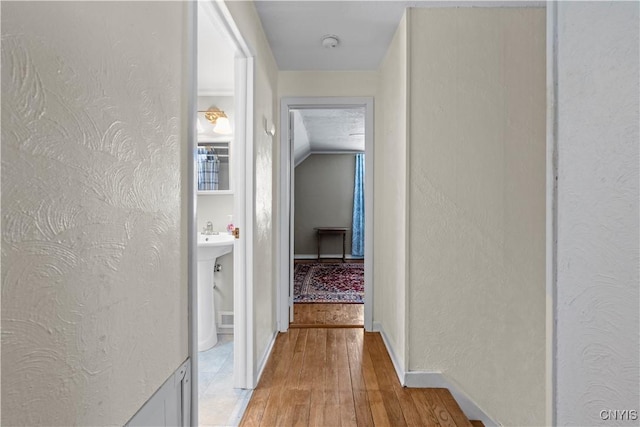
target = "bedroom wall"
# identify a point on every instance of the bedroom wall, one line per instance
(477, 205)
(94, 248)
(323, 198)
(598, 252)
(390, 197)
(265, 164)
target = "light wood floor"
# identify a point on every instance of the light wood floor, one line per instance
(328, 315)
(342, 377)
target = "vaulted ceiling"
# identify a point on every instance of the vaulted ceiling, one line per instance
(327, 130)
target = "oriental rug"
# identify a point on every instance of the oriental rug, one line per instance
(328, 283)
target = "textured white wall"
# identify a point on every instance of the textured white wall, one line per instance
(597, 285)
(94, 289)
(327, 83)
(477, 205)
(390, 202)
(265, 165)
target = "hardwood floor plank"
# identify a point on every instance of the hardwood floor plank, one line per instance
(409, 410)
(422, 405)
(296, 408)
(344, 374)
(452, 407)
(348, 417)
(329, 315)
(331, 380)
(437, 407)
(308, 369)
(378, 410)
(354, 353)
(255, 408)
(368, 371)
(364, 418)
(383, 358)
(342, 377)
(393, 408)
(316, 408)
(319, 358)
(331, 414)
(293, 379)
(270, 367)
(272, 408)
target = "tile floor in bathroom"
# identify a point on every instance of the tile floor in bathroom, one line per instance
(219, 403)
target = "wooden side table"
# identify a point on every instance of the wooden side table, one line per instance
(323, 231)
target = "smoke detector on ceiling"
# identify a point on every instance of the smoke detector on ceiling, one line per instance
(330, 41)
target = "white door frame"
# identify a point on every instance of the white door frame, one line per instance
(285, 238)
(243, 362)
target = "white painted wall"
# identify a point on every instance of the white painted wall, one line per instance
(327, 83)
(265, 165)
(476, 249)
(390, 201)
(598, 255)
(94, 284)
(324, 186)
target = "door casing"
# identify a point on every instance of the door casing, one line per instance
(243, 363)
(285, 238)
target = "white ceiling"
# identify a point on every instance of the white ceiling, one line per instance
(295, 29)
(215, 57)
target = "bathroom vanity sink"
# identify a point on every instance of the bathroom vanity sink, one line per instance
(212, 246)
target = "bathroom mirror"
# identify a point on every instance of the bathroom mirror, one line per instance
(213, 166)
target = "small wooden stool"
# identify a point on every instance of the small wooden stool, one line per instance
(322, 231)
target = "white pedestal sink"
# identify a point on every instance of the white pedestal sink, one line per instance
(210, 247)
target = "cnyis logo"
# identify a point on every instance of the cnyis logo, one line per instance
(619, 415)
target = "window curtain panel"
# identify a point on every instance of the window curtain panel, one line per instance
(357, 235)
(208, 168)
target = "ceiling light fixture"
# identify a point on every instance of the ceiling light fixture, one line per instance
(219, 119)
(330, 41)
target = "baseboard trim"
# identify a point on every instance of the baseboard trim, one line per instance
(425, 379)
(264, 359)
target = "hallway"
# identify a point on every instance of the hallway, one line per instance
(342, 377)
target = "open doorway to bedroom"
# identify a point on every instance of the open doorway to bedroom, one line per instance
(327, 189)
(326, 233)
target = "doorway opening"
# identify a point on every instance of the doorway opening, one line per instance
(326, 240)
(220, 333)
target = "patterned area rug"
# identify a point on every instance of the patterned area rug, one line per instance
(324, 282)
